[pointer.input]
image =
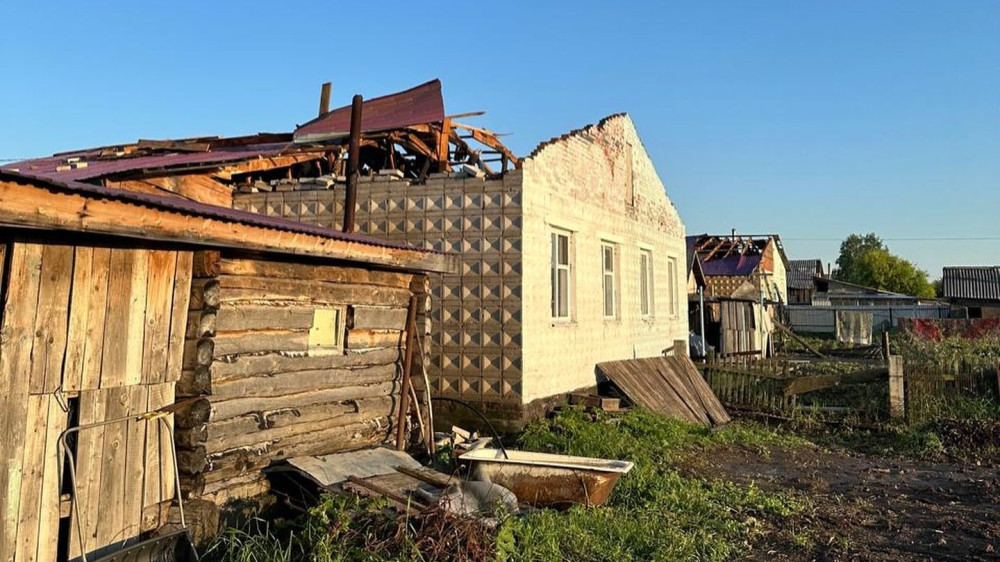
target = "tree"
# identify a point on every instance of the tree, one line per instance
(851, 249)
(865, 260)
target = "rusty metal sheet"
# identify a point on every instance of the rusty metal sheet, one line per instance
(420, 104)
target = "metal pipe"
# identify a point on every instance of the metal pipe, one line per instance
(63, 451)
(701, 311)
(404, 393)
(353, 156)
(481, 416)
(324, 99)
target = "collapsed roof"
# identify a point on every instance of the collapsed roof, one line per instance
(737, 255)
(407, 132)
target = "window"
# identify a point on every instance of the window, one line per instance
(561, 275)
(610, 279)
(326, 336)
(672, 285)
(645, 282)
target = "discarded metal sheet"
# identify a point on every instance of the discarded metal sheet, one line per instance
(671, 386)
(547, 480)
(329, 470)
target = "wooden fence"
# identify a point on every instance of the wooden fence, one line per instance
(773, 385)
(749, 383)
(961, 389)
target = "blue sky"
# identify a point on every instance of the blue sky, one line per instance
(810, 119)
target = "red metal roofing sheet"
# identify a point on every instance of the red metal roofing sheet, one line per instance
(421, 104)
(46, 167)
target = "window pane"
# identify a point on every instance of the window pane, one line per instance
(609, 295)
(563, 293)
(563, 249)
(555, 292)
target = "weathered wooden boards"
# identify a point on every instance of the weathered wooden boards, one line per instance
(75, 209)
(88, 330)
(267, 383)
(670, 386)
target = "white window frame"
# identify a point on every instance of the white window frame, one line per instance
(561, 312)
(609, 276)
(647, 304)
(673, 291)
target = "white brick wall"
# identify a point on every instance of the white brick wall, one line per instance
(580, 183)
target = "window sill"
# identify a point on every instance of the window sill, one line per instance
(563, 323)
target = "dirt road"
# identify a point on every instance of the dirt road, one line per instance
(865, 508)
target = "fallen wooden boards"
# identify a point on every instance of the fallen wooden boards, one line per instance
(670, 386)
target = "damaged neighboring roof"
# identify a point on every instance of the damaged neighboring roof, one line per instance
(38, 202)
(123, 159)
(420, 104)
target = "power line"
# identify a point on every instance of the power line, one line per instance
(908, 239)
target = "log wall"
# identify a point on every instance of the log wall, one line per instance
(271, 377)
(89, 333)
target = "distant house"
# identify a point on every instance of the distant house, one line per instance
(831, 292)
(974, 289)
(743, 265)
(852, 312)
(801, 287)
(740, 279)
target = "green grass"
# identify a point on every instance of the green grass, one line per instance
(655, 513)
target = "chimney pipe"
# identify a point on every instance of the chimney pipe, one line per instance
(353, 155)
(324, 99)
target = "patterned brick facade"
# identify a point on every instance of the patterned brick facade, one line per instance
(493, 340)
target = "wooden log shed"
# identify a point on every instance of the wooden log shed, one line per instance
(271, 338)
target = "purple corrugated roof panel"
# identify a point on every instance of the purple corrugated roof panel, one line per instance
(421, 104)
(733, 265)
(46, 167)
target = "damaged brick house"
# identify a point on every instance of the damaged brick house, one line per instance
(567, 258)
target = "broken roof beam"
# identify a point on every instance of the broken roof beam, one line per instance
(265, 163)
(174, 145)
(489, 139)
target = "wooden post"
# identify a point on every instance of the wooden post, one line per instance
(353, 155)
(324, 99)
(897, 400)
(404, 391)
(885, 345)
(680, 348)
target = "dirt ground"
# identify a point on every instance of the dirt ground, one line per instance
(866, 508)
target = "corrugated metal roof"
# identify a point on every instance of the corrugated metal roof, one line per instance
(96, 168)
(209, 211)
(420, 104)
(801, 272)
(972, 283)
